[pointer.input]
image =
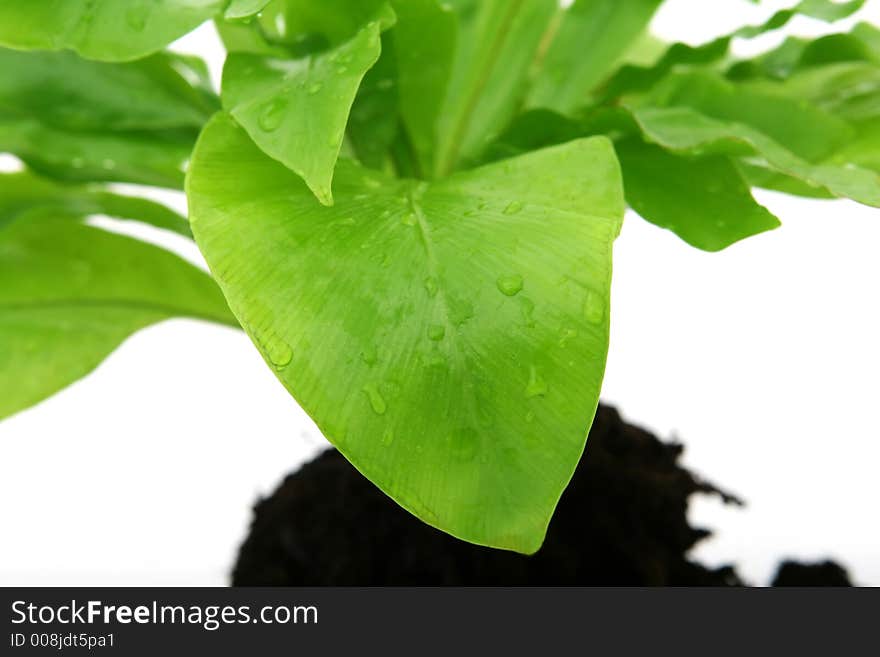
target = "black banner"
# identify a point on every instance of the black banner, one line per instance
(428, 621)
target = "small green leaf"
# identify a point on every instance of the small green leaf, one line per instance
(82, 120)
(374, 124)
(71, 293)
(803, 129)
(108, 30)
(239, 9)
(144, 157)
(495, 50)
(703, 200)
(23, 192)
(424, 68)
(296, 110)
(568, 71)
(685, 131)
(63, 90)
(466, 317)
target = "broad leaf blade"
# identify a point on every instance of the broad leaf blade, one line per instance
(82, 120)
(108, 30)
(449, 338)
(703, 200)
(424, 39)
(496, 47)
(70, 293)
(569, 70)
(297, 110)
(24, 192)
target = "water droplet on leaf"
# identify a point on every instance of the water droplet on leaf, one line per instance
(431, 286)
(272, 115)
(377, 402)
(513, 207)
(510, 285)
(537, 386)
(594, 307)
(436, 332)
(370, 355)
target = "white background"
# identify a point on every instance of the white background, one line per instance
(763, 360)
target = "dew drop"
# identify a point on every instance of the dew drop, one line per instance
(388, 436)
(314, 88)
(594, 307)
(272, 114)
(566, 335)
(436, 332)
(530, 417)
(527, 308)
(510, 285)
(409, 219)
(537, 386)
(277, 351)
(348, 221)
(136, 17)
(370, 355)
(464, 444)
(376, 401)
(513, 207)
(431, 286)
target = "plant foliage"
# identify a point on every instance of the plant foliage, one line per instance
(409, 205)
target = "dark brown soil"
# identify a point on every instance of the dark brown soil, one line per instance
(622, 521)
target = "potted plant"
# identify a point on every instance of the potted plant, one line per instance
(408, 205)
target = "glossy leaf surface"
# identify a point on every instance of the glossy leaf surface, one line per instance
(448, 337)
(70, 293)
(107, 30)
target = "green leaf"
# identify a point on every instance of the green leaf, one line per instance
(802, 128)
(448, 337)
(496, 48)
(703, 200)
(685, 131)
(108, 30)
(239, 9)
(71, 293)
(825, 10)
(632, 79)
(569, 70)
(424, 69)
(374, 124)
(296, 110)
(23, 192)
(63, 90)
(82, 120)
(144, 157)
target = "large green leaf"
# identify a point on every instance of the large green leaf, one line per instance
(703, 200)
(568, 70)
(448, 337)
(70, 293)
(296, 110)
(108, 30)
